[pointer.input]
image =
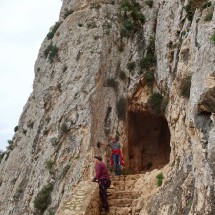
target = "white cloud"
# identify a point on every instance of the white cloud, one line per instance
(23, 26)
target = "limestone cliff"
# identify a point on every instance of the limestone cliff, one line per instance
(141, 69)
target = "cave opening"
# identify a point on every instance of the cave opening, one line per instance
(148, 141)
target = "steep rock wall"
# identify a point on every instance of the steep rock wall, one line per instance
(76, 101)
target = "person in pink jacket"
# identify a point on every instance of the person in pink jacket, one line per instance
(103, 179)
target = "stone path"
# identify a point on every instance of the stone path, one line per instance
(121, 197)
(127, 195)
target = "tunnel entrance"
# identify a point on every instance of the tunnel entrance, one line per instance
(148, 141)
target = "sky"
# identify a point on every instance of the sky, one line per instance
(23, 26)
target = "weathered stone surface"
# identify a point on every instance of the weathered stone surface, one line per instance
(84, 201)
(72, 106)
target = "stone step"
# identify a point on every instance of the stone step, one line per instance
(123, 194)
(122, 202)
(122, 185)
(125, 177)
(121, 211)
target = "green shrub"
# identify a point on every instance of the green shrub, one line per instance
(16, 128)
(192, 6)
(206, 4)
(150, 59)
(10, 142)
(51, 34)
(124, 33)
(67, 13)
(65, 170)
(190, 12)
(131, 66)
(10, 146)
(121, 107)
(184, 87)
(213, 38)
(128, 25)
(30, 124)
(80, 24)
(95, 5)
(121, 46)
(159, 178)
(111, 82)
(107, 25)
(209, 16)
(149, 3)
(43, 198)
(132, 17)
(64, 127)
(49, 164)
(77, 157)
(141, 18)
(183, 33)
(126, 6)
(155, 102)
(1, 155)
(51, 52)
(149, 76)
(164, 103)
(122, 75)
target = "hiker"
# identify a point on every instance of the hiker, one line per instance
(116, 157)
(103, 179)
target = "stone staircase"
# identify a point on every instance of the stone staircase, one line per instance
(122, 198)
(127, 195)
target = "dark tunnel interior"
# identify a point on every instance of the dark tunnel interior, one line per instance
(148, 141)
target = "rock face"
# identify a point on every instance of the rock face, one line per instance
(143, 70)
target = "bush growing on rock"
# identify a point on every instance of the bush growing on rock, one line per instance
(95, 5)
(51, 34)
(149, 76)
(43, 199)
(150, 59)
(131, 16)
(1, 155)
(209, 16)
(122, 75)
(128, 25)
(111, 82)
(185, 87)
(155, 102)
(67, 13)
(131, 66)
(192, 5)
(213, 38)
(121, 107)
(51, 52)
(149, 3)
(49, 164)
(160, 178)
(64, 127)
(124, 32)
(16, 129)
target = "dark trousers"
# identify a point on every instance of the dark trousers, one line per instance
(104, 183)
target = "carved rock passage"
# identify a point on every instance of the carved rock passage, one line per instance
(148, 141)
